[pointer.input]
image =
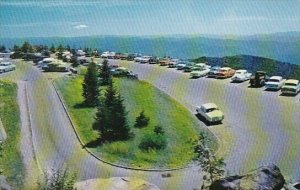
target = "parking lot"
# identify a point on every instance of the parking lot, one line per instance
(262, 126)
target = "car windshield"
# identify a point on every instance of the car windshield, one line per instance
(273, 80)
(239, 72)
(290, 84)
(211, 110)
(196, 69)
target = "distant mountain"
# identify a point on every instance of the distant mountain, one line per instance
(253, 64)
(280, 46)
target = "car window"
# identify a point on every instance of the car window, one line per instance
(211, 110)
(273, 80)
(290, 84)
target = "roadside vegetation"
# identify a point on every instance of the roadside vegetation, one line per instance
(162, 130)
(11, 164)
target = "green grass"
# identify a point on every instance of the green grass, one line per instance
(11, 161)
(180, 125)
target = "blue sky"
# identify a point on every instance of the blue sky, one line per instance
(147, 17)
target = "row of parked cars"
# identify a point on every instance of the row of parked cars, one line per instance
(196, 70)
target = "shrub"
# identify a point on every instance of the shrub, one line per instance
(153, 142)
(159, 130)
(57, 180)
(141, 120)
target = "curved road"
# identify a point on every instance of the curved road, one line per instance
(260, 127)
(49, 142)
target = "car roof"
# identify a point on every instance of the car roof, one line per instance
(209, 105)
(276, 77)
(292, 81)
(225, 68)
(241, 70)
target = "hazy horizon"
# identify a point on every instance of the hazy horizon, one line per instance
(147, 18)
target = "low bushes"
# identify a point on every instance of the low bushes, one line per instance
(153, 142)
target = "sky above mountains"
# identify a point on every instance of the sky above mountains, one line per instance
(144, 17)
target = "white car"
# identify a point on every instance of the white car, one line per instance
(105, 55)
(275, 83)
(291, 87)
(210, 112)
(199, 71)
(173, 63)
(241, 76)
(137, 59)
(145, 59)
(6, 67)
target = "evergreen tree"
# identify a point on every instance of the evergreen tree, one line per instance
(105, 74)
(111, 117)
(90, 86)
(142, 120)
(53, 49)
(26, 48)
(74, 61)
(2, 48)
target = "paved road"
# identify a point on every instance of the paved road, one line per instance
(48, 141)
(264, 126)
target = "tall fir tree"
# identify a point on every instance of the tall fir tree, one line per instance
(90, 86)
(111, 117)
(105, 74)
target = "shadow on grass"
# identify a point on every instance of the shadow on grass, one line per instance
(94, 143)
(82, 105)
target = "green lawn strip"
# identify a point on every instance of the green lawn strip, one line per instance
(83, 117)
(179, 124)
(11, 161)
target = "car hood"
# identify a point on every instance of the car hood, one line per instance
(239, 76)
(289, 87)
(272, 83)
(216, 113)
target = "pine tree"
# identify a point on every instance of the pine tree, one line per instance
(105, 74)
(90, 86)
(53, 49)
(111, 117)
(2, 48)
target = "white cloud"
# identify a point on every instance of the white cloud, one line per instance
(80, 26)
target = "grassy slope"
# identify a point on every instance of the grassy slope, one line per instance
(11, 162)
(179, 124)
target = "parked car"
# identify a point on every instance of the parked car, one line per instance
(258, 79)
(145, 59)
(188, 67)
(105, 55)
(118, 56)
(153, 60)
(225, 72)
(6, 67)
(131, 75)
(124, 56)
(199, 72)
(173, 63)
(111, 55)
(181, 65)
(55, 67)
(213, 71)
(291, 87)
(275, 83)
(117, 71)
(241, 76)
(164, 61)
(210, 112)
(137, 59)
(131, 56)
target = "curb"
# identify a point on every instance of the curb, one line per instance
(97, 157)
